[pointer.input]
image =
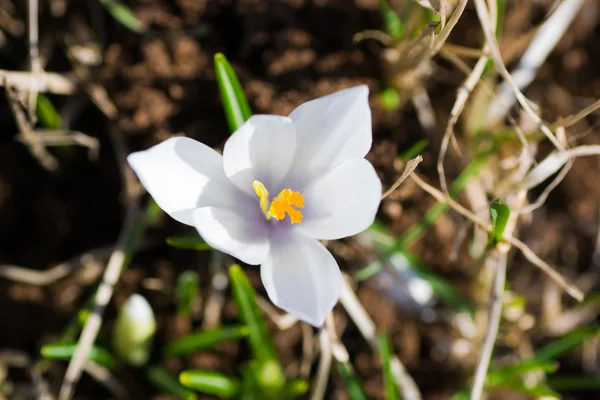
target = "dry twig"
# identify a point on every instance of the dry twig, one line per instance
(409, 169)
(406, 384)
(46, 82)
(499, 259)
(318, 391)
(527, 252)
(546, 38)
(27, 135)
(484, 17)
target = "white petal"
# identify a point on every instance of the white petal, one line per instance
(332, 129)
(261, 149)
(302, 278)
(182, 174)
(239, 233)
(343, 202)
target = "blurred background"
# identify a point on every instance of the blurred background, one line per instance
(105, 78)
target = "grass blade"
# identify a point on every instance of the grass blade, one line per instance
(210, 382)
(270, 374)
(353, 385)
(47, 113)
(186, 291)
(166, 382)
(566, 343)
(124, 15)
(204, 340)
(65, 351)
(393, 24)
(188, 242)
(391, 393)
(235, 104)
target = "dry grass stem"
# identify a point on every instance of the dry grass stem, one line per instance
(546, 38)
(34, 54)
(556, 160)
(462, 95)
(107, 379)
(498, 259)
(45, 82)
(484, 17)
(324, 367)
(218, 286)
(103, 295)
(44, 278)
(441, 38)
(573, 119)
(406, 384)
(527, 252)
(411, 165)
(26, 133)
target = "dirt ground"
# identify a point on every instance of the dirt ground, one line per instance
(285, 52)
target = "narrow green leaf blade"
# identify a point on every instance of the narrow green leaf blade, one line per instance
(500, 376)
(270, 375)
(124, 15)
(353, 385)
(235, 104)
(393, 23)
(566, 343)
(65, 351)
(188, 242)
(47, 113)
(187, 290)
(210, 382)
(500, 213)
(203, 340)
(166, 382)
(385, 351)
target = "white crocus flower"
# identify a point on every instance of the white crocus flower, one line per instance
(282, 184)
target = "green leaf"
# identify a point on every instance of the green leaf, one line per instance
(538, 390)
(124, 15)
(250, 388)
(166, 382)
(210, 382)
(188, 242)
(186, 291)
(270, 374)
(499, 377)
(65, 351)
(46, 113)
(353, 385)
(566, 343)
(237, 109)
(203, 340)
(500, 213)
(393, 23)
(414, 150)
(389, 384)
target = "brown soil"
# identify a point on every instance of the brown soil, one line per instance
(285, 52)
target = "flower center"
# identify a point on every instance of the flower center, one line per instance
(283, 204)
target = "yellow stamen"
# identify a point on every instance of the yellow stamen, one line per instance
(283, 204)
(263, 195)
